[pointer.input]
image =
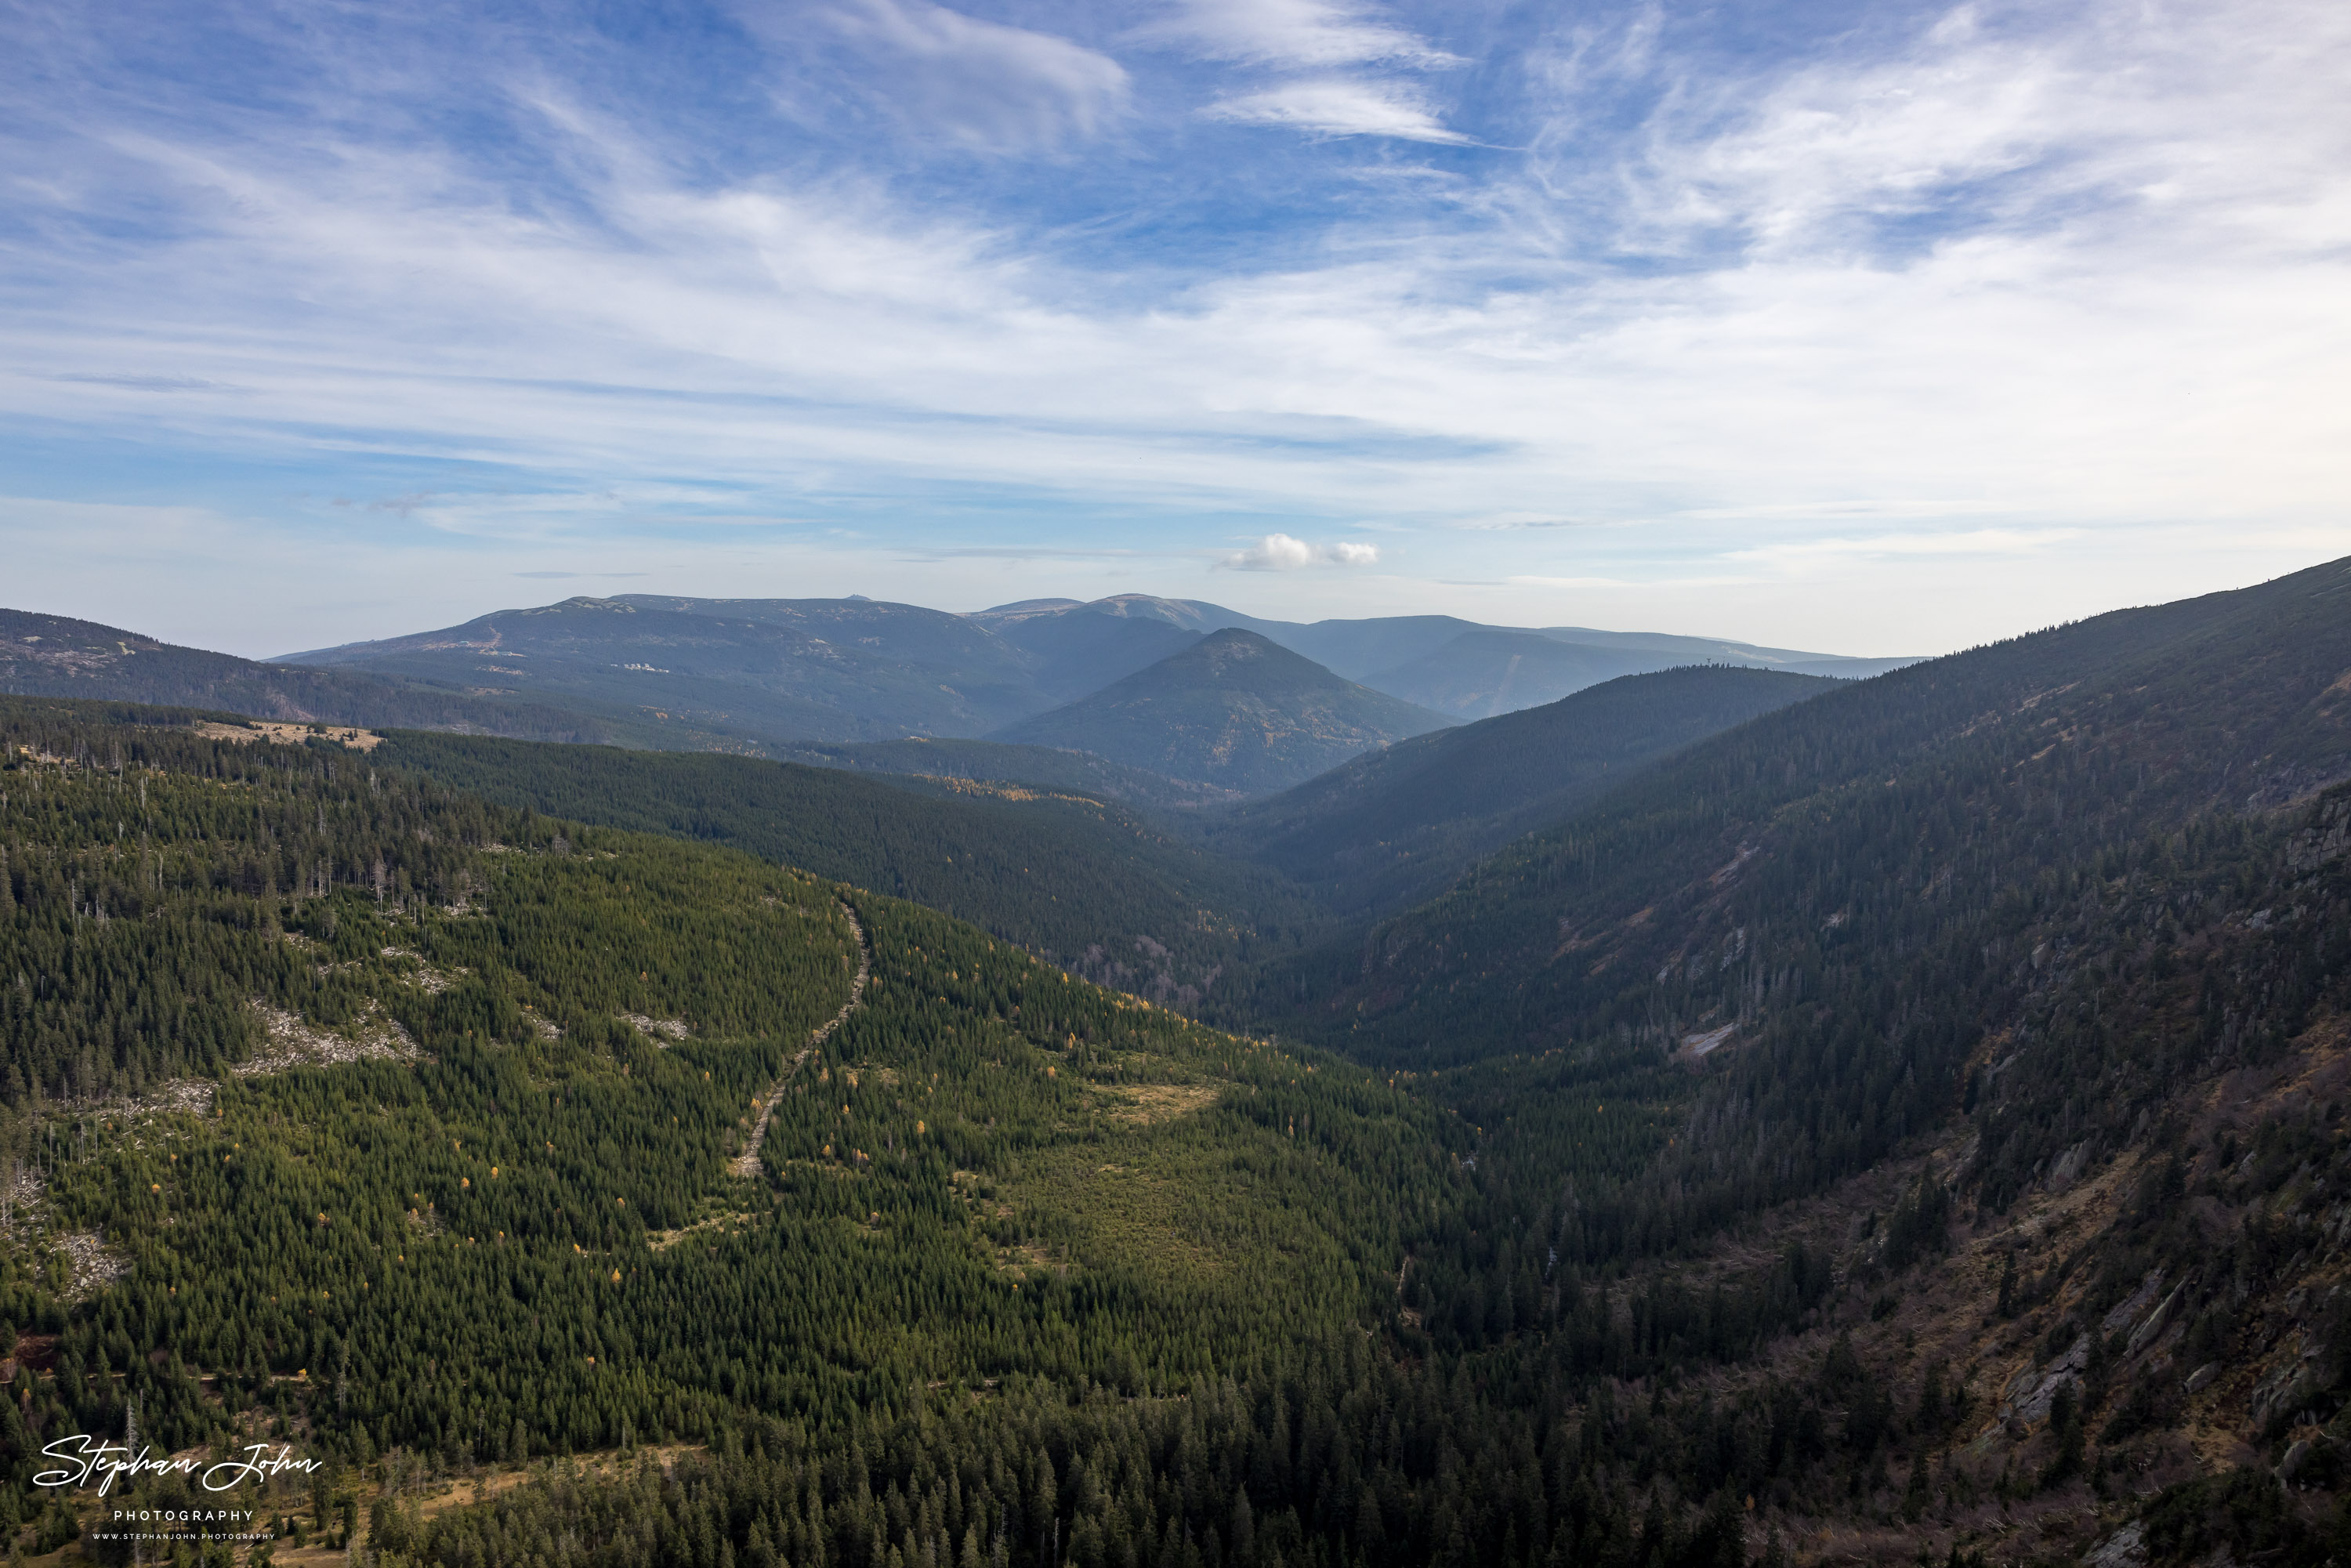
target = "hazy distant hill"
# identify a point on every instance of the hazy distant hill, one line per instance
(842, 671)
(1486, 671)
(788, 669)
(1233, 709)
(1394, 824)
(52, 656)
(1084, 650)
(1441, 662)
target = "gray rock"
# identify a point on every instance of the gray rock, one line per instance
(2327, 839)
(2293, 1462)
(2201, 1378)
(2122, 1312)
(2125, 1548)
(2155, 1321)
(2070, 1164)
(2035, 1407)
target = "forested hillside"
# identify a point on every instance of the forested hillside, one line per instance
(409, 1125)
(1912, 1122)
(1394, 825)
(990, 761)
(1076, 879)
(1833, 895)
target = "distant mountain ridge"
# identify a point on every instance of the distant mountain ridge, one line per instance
(830, 670)
(57, 656)
(778, 676)
(1460, 667)
(1233, 709)
(1391, 825)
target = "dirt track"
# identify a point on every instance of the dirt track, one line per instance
(746, 1164)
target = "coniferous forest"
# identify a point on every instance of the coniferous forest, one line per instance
(1908, 1123)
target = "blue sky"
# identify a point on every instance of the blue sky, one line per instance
(1875, 329)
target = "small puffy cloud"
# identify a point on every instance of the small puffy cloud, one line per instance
(1338, 107)
(1280, 552)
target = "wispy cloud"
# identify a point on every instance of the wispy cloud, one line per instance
(1305, 33)
(147, 384)
(1280, 552)
(1338, 66)
(2018, 271)
(1340, 108)
(985, 84)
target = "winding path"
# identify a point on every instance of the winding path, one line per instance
(746, 1164)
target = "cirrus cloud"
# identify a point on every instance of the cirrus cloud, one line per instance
(1340, 108)
(1312, 33)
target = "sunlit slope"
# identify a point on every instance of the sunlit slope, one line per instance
(421, 1115)
(1076, 879)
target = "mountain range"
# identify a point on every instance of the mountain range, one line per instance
(1719, 1116)
(809, 679)
(855, 669)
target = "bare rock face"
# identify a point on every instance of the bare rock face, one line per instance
(2125, 1548)
(2033, 1391)
(2201, 1378)
(2325, 839)
(2145, 1334)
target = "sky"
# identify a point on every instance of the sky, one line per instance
(1878, 329)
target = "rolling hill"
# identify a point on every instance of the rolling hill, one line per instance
(1233, 710)
(826, 670)
(52, 656)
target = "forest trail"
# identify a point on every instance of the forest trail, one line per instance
(746, 1164)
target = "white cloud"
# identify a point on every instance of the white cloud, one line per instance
(1337, 107)
(2120, 116)
(1280, 552)
(1310, 34)
(982, 83)
(2133, 326)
